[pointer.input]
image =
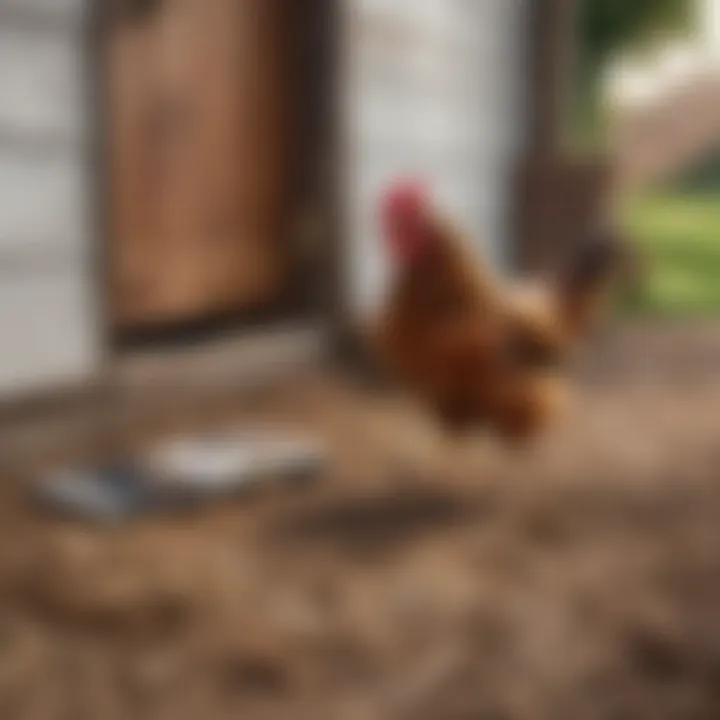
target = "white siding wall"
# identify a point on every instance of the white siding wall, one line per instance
(434, 87)
(61, 10)
(48, 332)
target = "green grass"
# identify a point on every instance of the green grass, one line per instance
(678, 234)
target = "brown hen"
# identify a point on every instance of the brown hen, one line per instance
(476, 351)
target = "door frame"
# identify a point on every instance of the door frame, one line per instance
(314, 156)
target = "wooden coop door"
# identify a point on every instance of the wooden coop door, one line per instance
(197, 158)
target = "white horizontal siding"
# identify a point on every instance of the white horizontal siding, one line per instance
(436, 88)
(48, 329)
(44, 201)
(45, 328)
(40, 84)
(71, 10)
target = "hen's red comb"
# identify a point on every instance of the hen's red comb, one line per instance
(403, 208)
(403, 197)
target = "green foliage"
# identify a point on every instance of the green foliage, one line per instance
(610, 26)
(679, 239)
(703, 177)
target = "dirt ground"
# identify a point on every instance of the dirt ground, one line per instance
(417, 579)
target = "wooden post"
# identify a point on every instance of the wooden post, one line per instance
(551, 73)
(559, 197)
